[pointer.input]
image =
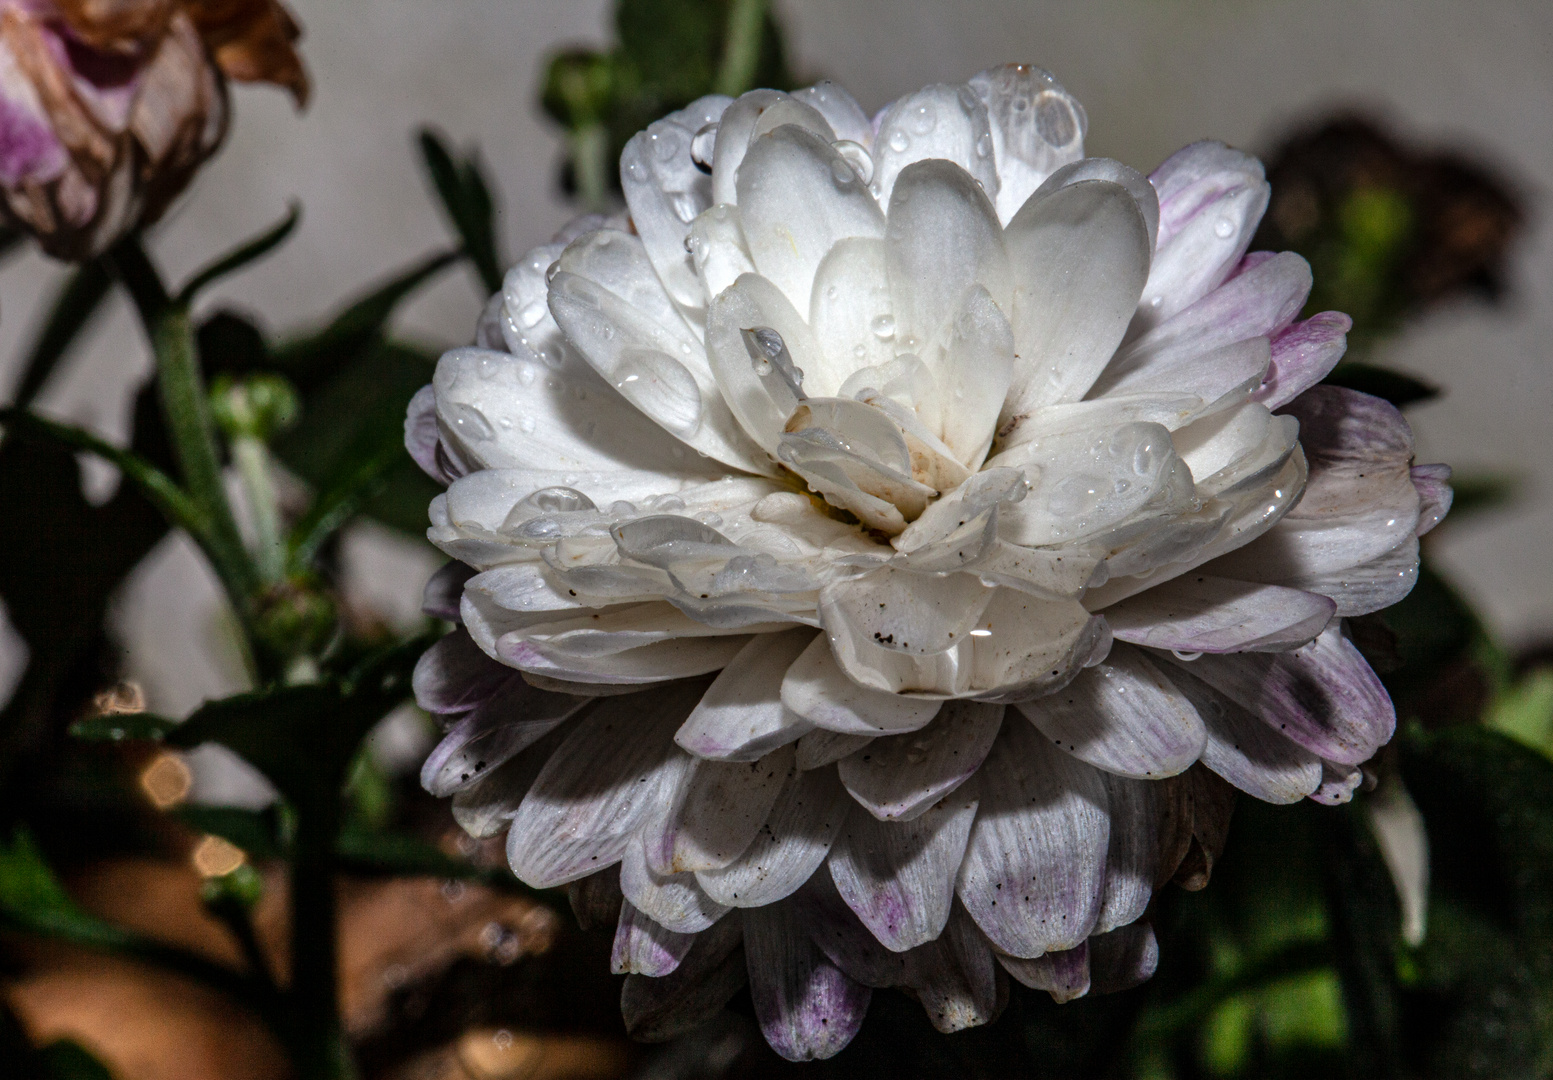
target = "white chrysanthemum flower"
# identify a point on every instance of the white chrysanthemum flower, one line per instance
(871, 530)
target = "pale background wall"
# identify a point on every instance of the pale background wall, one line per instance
(1153, 74)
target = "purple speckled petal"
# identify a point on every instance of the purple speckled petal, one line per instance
(658, 1009)
(1123, 716)
(807, 1007)
(899, 875)
(29, 149)
(718, 809)
(1122, 959)
(645, 947)
(1303, 355)
(507, 723)
(1245, 751)
(1200, 613)
(454, 676)
(445, 590)
(1064, 974)
(846, 942)
(1034, 869)
(898, 777)
(1323, 696)
(1434, 495)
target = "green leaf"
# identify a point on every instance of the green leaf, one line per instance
(66, 1059)
(250, 251)
(1399, 389)
(311, 358)
(1525, 711)
(77, 301)
(174, 503)
(26, 882)
(466, 197)
(122, 727)
(261, 833)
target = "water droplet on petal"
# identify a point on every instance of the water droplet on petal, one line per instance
(899, 141)
(526, 425)
(924, 118)
(857, 156)
(470, 423)
(709, 519)
(1187, 656)
(1224, 228)
(637, 171)
(661, 387)
(883, 327)
(552, 270)
(531, 314)
(701, 147)
(984, 145)
(842, 173)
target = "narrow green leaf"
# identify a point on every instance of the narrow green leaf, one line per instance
(165, 494)
(122, 727)
(1399, 389)
(250, 251)
(336, 505)
(466, 198)
(75, 304)
(311, 358)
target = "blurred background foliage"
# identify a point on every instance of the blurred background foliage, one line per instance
(350, 929)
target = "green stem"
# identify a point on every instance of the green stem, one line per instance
(590, 165)
(321, 1050)
(741, 47)
(252, 459)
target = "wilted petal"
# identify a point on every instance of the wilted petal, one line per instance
(1079, 256)
(1338, 783)
(444, 589)
(899, 777)
(807, 1008)
(1199, 613)
(1034, 869)
(899, 876)
(643, 947)
(797, 836)
(1063, 974)
(1123, 716)
(658, 1009)
(955, 977)
(1323, 696)
(586, 804)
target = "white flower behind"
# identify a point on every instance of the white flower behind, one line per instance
(911, 431)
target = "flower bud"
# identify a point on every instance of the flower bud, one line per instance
(107, 107)
(260, 406)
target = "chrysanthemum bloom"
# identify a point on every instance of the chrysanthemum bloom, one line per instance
(887, 535)
(107, 107)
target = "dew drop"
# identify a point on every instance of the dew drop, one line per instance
(832, 291)
(984, 145)
(539, 528)
(470, 422)
(552, 270)
(702, 145)
(842, 172)
(637, 171)
(621, 508)
(1187, 656)
(660, 386)
(924, 118)
(709, 519)
(526, 425)
(883, 327)
(1224, 228)
(556, 500)
(859, 351)
(664, 145)
(899, 141)
(1156, 301)
(526, 375)
(857, 156)
(532, 313)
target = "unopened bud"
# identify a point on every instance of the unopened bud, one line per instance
(259, 406)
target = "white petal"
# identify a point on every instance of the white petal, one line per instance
(660, 369)
(666, 191)
(1247, 752)
(1123, 716)
(679, 658)
(940, 121)
(1034, 868)
(1063, 973)
(1032, 645)
(821, 747)
(644, 947)
(973, 370)
(943, 237)
(817, 689)
(852, 314)
(1369, 586)
(798, 197)
(806, 1007)
(736, 130)
(1096, 168)
(1237, 367)
(513, 719)
(1200, 613)
(719, 808)
(1132, 860)
(840, 110)
(1225, 447)
(898, 876)
(593, 793)
(675, 901)
(762, 402)
(718, 249)
(797, 836)
(1079, 256)
(1169, 411)
(485, 809)
(741, 717)
(1037, 127)
(1211, 199)
(899, 777)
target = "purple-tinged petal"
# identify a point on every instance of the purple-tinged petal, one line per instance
(599, 787)
(898, 777)
(1062, 974)
(1303, 355)
(486, 808)
(789, 848)
(1132, 859)
(1245, 751)
(445, 590)
(899, 875)
(508, 722)
(1034, 870)
(454, 676)
(955, 977)
(1200, 613)
(677, 901)
(1432, 483)
(1123, 716)
(1322, 696)
(421, 437)
(742, 717)
(1338, 783)
(807, 1007)
(644, 947)
(1122, 959)
(846, 942)
(718, 809)
(656, 1010)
